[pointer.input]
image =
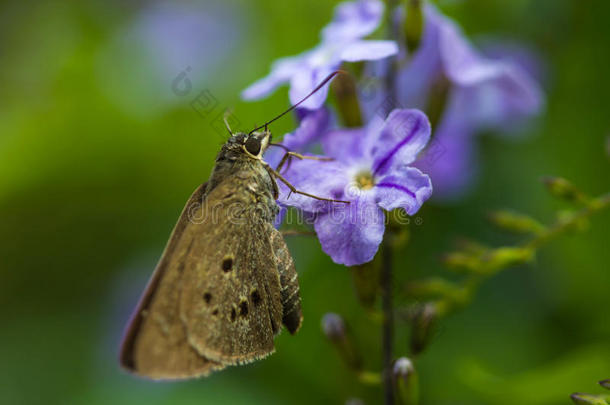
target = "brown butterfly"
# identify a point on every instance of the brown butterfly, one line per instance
(226, 281)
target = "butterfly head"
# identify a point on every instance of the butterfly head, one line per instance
(256, 143)
(252, 144)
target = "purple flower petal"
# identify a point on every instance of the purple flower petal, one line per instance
(368, 50)
(341, 40)
(312, 127)
(481, 93)
(449, 160)
(424, 69)
(502, 102)
(354, 19)
(304, 81)
(518, 54)
(407, 188)
(347, 145)
(404, 135)
(322, 179)
(463, 65)
(281, 71)
(493, 92)
(351, 234)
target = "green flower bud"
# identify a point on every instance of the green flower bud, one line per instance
(366, 281)
(515, 222)
(405, 381)
(346, 96)
(423, 327)
(562, 188)
(413, 24)
(587, 399)
(337, 332)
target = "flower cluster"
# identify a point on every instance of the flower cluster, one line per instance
(476, 92)
(341, 42)
(380, 166)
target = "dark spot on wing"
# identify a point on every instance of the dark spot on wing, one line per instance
(215, 312)
(243, 308)
(207, 297)
(227, 264)
(233, 314)
(256, 297)
(273, 325)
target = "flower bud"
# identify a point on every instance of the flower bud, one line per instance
(515, 222)
(461, 261)
(405, 381)
(346, 95)
(503, 257)
(366, 281)
(333, 326)
(413, 25)
(337, 332)
(587, 399)
(562, 188)
(423, 327)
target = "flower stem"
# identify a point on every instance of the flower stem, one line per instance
(387, 333)
(387, 339)
(462, 294)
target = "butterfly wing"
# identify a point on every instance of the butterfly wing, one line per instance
(231, 301)
(291, 301)
(222, 289)
(156, 345)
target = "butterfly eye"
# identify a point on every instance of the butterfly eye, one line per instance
(253, 146)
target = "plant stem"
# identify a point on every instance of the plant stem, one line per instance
(461, 295)
(387, 334)
(387, 339)
(561, 226)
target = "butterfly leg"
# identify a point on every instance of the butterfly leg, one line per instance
(293, 189)
(289, 155)
(294, 232)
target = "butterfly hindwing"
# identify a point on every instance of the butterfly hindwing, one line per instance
(291, 301)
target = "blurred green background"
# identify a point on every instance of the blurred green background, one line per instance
(98, 155)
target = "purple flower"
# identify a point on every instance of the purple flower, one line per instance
(341, 42)
(481, 93)
(371, 169)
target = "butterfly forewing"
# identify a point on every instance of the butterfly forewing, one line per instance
(231, 301)
(156, 344)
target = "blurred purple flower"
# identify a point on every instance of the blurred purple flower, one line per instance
(481, 93)
(341, 42)
(372, 171)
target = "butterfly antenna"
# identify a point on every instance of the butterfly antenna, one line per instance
(314, 91)
(226, 120)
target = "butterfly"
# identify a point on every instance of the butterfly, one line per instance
(226, 282)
